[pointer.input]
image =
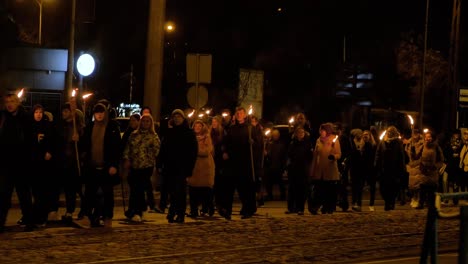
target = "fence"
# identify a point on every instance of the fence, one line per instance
(430, 234)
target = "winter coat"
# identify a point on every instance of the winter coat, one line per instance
(178, 152)
(111, 145)
(40, 139)
(299, 157)
(390, 160)
(322, 167)
(142, 149)
(238, 149)
(13, 138)
(432, 159)
(414, 174)
(361, 161)
(204, 170)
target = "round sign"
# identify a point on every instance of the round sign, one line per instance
(85, 64)
(197, 98)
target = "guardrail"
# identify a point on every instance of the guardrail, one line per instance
(430, 245)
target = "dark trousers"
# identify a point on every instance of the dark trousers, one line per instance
(275, 177)
(41, 182)
(372, 182)
(245, 187)
(342, 191)
(164, 193)
(324, 194)
(71, 186)
(177, 192)
(427, 194)
(297, 192)
(11, 178)
(389, 190)
(201, 196)
(99, 180)
(149, 190)
(357, 185)
(138, 183)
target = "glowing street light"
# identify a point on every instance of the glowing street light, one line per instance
(85, 64)
(169, 27)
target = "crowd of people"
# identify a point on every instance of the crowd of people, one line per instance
(210, 160)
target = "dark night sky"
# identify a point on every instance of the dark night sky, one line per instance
(299, 48)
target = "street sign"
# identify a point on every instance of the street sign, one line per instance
(198, 68)
(197, 98)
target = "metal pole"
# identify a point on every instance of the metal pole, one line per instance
(39, 37)
(423, 75)
(71, 50)
(197, 83)
(131, 83)
(154, 56)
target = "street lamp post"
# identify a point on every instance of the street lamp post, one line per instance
(39, 37)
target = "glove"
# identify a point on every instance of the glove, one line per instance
(331, 157)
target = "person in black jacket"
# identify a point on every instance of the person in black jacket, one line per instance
(13, 173)
(177, 155)
(390, 165)
(299, 158)
(240, 154)
(101, 154)
(40, 140)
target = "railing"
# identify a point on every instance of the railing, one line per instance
(430, 233)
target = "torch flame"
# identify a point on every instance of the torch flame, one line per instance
(201, 115)
(425, 130)
(224, 114)
(20, 93)
(291, 120)
(208, 111)
(87, 95)
(334, 140)
(411, 119)
(73, 93)
(250, 109)
(267, 132)
(191, 114)
(383, 134)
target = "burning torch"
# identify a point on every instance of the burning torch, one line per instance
(20, 94)
(383, 134)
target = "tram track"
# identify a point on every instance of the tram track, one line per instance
(330, 252)
(331, 239)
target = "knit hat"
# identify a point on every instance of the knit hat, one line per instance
(36, 107)
(99, 108)
(178, 111)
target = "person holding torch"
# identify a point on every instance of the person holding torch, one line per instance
(13, 174)
(324, 174)
(239, 153)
